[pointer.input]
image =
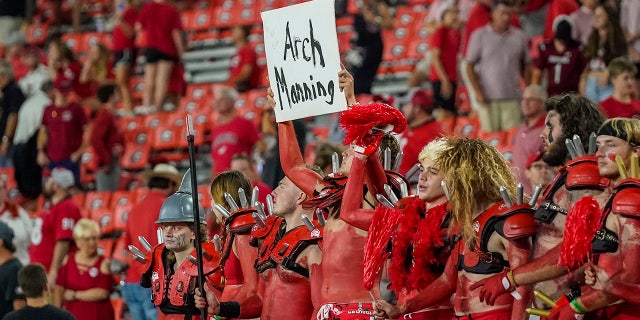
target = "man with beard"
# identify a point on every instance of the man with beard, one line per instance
(566, 115)
(52, 235)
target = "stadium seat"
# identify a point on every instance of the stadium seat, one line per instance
(97, 200)
(466, 127)
(492, 138)
(37, 33)
(135, 157)
(198, 19)
(73, 41)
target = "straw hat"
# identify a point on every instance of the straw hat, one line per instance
(163, 170)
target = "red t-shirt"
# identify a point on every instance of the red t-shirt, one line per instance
(563, 68)
(143, 224)
(237, 136)
(413, 140)
(54, 223)
(613, 108)
(70, 277)
(448, 41)
(120, 39)
(159, 20)
(19, 69)
(557, 8)
(245, 55)
(65, 126)
(105, 134)
(69, 76)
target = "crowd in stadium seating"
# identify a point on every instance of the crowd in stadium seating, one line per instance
(97, 87)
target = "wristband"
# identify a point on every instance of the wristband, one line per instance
(229, 309)
(575, 305)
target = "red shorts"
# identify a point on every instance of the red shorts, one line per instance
(498, 314)
(345, 311)
(441, 314)
(622, 311)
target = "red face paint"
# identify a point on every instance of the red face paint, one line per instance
(612, 156)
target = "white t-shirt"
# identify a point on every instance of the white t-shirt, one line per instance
(32, 81)
(21, 226)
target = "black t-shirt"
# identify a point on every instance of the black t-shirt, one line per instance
(13, 8)
(11, 101)
(9, 289)
(48, 312)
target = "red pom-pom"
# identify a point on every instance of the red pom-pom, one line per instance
(583, 221)
(382, 226)
(358, 120)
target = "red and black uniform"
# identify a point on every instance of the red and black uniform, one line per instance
(173, 291)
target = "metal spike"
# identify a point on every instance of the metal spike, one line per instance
(335, 163)
(593, 147)
(387, 159)
(384, 201)
(243, 198)
(634, 166)
(398, 161)
(445, 189)
(571, 148)
(217, 243)
(392, 196)
(536, 194)
(258, 219)
(160, 235)
(320, 215)
(577, 143)
(145, 243)
(270, 204)
(140, 259)
(260, 209)
(404, 189)
(412, 171)
(192, 259)
(232, 203)
(222, 210)
(506, 197)
(255, 193)
(135, 250)
(308, 222)
(520, 194)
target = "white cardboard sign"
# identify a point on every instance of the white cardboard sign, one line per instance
(303, 60)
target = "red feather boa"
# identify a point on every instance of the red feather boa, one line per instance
(425, 235)
(382, 226)
(358, 120)
(583, 221)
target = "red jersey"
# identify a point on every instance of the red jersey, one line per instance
(448, 41)
(159, 21)
(245, 56)
(237, 136)
(69, 76)
(55, 223)
(144, 224)
(613, 108)
(65, 127)
(120, 39)
(563, 68)
(105, 134)
(413, 140)
(557, 8)
(72, 278)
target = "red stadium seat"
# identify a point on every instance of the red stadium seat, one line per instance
(165, 138)
(135, 157)
(104, 219)
(492, 138)
(122, 198)
(95, 201)
(137, 87)
(198, 19)
(466, 127)
(37, 33)
(73, 41)
(198, 91)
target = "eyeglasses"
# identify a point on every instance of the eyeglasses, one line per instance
(541, 167)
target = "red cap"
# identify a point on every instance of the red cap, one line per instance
(533, 158)
(422, 99)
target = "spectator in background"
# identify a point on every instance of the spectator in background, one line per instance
(422, 128)
(582, 20)
(11, 297)
(526, 141)
(124, 50)
(13, 52)
(19, 221)
(96, 70)
(245, 164)
(561, 58)
(606, 42)
(537, 172)
(324, 154)
(62, 138)
(629, 13)
(445, 43)
(372, 17)
(84, 282)
(65, 69)
(622, 74)
(11, 98)
(52, 236)
(163, 28)
(107, 140)
(162, 182)
(558, 8)
(533, 15)
(12, 15)
(479, 17)
(243, 72)
(231, 133)
(28, 173)
(33, 281)
(497, 59)
(37, 73)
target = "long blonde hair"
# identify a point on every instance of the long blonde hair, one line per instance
(473, 172)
